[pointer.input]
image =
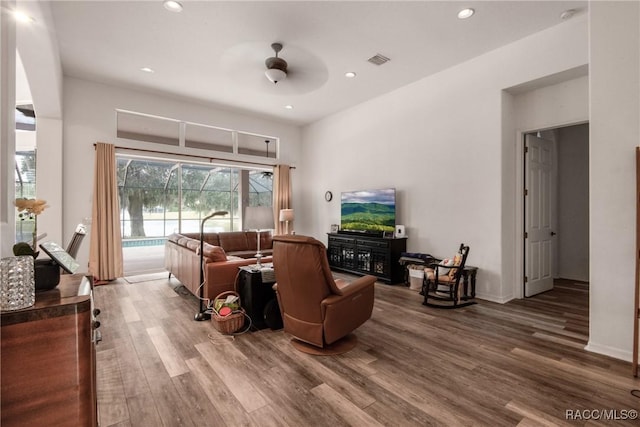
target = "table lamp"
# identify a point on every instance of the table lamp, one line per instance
(286, 216)
(258, 218)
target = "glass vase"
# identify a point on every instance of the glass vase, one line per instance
(17, 283)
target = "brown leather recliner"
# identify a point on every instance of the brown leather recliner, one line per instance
(316, 308)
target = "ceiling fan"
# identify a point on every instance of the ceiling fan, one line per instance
(267, 174)
(257, 68)
(276, 67)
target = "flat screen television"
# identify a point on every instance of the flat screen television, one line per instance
(368, 211)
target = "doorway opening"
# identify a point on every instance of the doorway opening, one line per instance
(556, 208)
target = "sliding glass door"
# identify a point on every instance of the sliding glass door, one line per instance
(158, 198)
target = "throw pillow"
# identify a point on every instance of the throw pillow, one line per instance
(213, 253)
(457, 260)
(442, 270)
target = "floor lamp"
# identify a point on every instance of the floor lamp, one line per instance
(258, 218)
(202, 314)
(286, 216)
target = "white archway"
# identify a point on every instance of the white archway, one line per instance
(38, 50)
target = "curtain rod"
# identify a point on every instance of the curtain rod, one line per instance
(144, 150)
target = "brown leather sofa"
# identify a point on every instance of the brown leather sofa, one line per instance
(316, 308)
(223, 253)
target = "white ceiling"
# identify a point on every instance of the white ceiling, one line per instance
(213, 52)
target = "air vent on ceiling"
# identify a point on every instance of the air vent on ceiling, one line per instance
(378, 59)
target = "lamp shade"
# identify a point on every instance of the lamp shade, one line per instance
(275, 75)
(286, 215)
(258, 218)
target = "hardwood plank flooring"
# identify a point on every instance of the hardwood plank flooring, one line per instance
(518, 364)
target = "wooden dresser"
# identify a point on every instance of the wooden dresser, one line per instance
(48, 358)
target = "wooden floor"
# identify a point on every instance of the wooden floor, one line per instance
(520, 363)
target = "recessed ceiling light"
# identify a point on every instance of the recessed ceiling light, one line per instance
(349, 74)
(568, 14)
(22, 17)
(147, 70)
(466, 13)
(172, 6)
(289, 107)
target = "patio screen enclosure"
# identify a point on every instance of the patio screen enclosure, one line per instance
(160, 197)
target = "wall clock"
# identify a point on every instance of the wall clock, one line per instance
(328, 196)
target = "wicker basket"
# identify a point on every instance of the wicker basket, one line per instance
(231, 323)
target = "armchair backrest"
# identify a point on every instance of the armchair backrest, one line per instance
(303, 276)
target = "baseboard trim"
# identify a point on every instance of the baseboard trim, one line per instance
(606, 350)
(492, 298)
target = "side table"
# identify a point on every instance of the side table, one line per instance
(257, 296)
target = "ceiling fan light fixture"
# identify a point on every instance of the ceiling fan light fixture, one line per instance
(275, 75)
(276, 67)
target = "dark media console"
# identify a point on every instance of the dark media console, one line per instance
(362, 253)
(362, 233)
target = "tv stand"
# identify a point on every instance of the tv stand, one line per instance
(361, 233)
(362, 253)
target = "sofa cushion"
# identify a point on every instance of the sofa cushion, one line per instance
(193, 245)
(265, 241)
(174, 237)
(212, 239)
(213, 253)
(233, 241)
(183, 241)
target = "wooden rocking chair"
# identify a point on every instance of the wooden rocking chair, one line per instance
(444, 287)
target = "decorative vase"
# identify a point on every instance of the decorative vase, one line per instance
(17, 283)
(46, 273)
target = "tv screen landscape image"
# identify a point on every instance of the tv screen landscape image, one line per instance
(371, 211)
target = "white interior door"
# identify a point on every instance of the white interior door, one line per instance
(539, 184)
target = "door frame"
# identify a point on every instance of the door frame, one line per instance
(518, 235)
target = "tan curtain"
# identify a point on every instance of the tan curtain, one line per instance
(105, 253)
(281, 195)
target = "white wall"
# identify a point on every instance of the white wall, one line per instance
(440, 142)
(553, 106)
(90, 117)
(614, 133)
(573, 203)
